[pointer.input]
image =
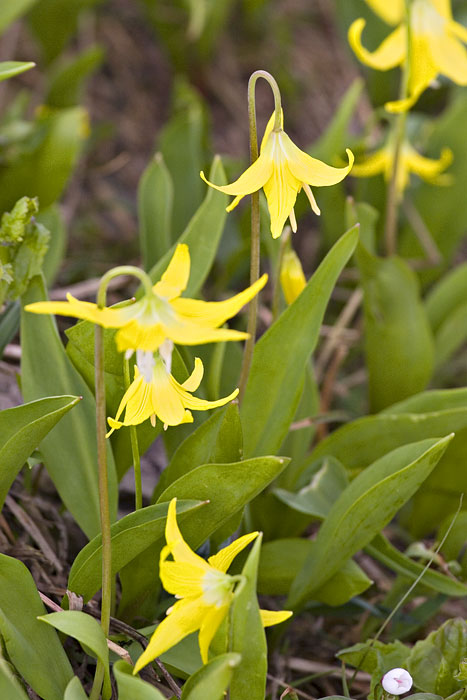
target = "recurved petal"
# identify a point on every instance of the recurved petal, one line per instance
(108, 318)
(175, 279)
(274, 617)
(429, 168)
(192, 402)
(209, 626)
(450, 56)
(135, 401)
(390, 53)
(176, 544)
(281, 192)
(392, 11)
(184, 333)
(251, 180)
(186, 617)
(210, 314)
(311, 170)
(194, 380)
(372, 165)
(223, 559)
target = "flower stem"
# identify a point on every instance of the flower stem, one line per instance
(255, 218)
(134, 445)
(398, 134)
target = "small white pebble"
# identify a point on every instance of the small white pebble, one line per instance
(397, 681)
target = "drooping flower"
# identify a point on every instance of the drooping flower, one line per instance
(282, 169)
(154, 392)
(435, 45)
(292, 277)
(205, 591)
(410, 160)
(397, 681)
(146, 323)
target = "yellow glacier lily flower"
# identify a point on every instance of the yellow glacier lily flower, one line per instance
(154, 392)
(410, 160)
(146, 323)
(282, 169)
(292, 277)
(205, 591)
(435, 47)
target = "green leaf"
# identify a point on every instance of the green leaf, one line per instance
(433, 661)
(444, 297)
(376, 658)
(281, 561)
(131, 535)
(9, 686)
(74, 690)
(227, 487)
(45, 370)
(9, 324)
(10, 11)
(451, 335)
(8, 69)
(365, 215)
(53, 221)
(212, 680)
(68, 79)
(155, 206)
(131, 687)
(383, 551)
(89, 634)
(393, 314)
(218, 439)
(363, 509)
(202, 234)
(247, 636)
(31, 646)
(21, 431)
(281, 355)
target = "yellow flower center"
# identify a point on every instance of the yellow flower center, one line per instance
(217, 588)
(426, 20)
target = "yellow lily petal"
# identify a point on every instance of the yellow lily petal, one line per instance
(85, 310)
(428, 168)
(423, 69)
(181, 578)
(136, 393)
(195, 378)
(209, 626)
(175, 279)
(391, 11)
(443, 7)
(252, 179)
(313, 171)
(186, 617)
(215, 313)
(181, 552)
(193, 334)
(274, 617)
(136, 335)
(458, 30)
(281, 189)
(450, 57)
(223, 559)
(372, 165)
(389, 54)
(167, 401)
(269, 128)
(195, 404)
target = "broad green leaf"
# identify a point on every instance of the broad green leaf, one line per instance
(297, 443)
(155, 206)
(446, 295)
(10, 11)
(74, 690)
(131, 535)
(8, 69)
(9, 685)
(375, 658)
(451, 334)
(31, 646)
(21, 431)
(89, 634)
(202, 234)
(394, 314)
(44, 172)
(326, 482)
(46, 369)
(227, 487)
(218, 439)
(53, 221)
(180, 142)
(365, 215)
(281, 355)
(354, 519)
(281, 561)
(68, 79)
(212, 680)
(9, 324)
(434, 661)
(247, 636)
(383, 551)
(131, 687)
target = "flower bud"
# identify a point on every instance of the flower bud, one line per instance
(397, 681)
(292, 276)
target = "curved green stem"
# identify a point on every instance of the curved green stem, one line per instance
(255, 218)
(398, 135)
(134, 445)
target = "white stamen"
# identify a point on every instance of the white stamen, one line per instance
(293, 220)
(165, 351)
